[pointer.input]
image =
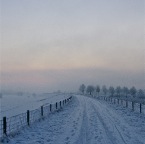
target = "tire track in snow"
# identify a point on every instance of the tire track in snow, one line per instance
(93, 127)
(83, 134)
(89, 133)
(94, 136)
(115, 126)
(119, 128)
(107, 136)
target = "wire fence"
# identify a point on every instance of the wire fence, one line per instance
(1, 128)
(134, 106)
(11, 125)
(14, 123)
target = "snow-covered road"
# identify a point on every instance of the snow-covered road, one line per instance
(86, 121)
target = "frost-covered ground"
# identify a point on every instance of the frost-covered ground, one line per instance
(86, 121)
(13, 104)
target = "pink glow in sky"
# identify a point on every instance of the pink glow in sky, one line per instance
(57, 44)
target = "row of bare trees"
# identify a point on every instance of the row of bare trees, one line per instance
(90, 89)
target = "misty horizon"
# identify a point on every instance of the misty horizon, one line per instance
(53, 80)
(58, 45)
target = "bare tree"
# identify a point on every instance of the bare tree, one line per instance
(90, 89)
(118, 90)
(133, 91)
(141, 93)
(125, 91)
(82, 88)
(104, 89)
(111, 90)
(98, 89)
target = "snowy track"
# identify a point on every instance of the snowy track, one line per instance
(86, 121)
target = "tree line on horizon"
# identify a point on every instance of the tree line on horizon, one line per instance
(113, 91)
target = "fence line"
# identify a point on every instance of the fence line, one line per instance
(134, 106)
(13, 124)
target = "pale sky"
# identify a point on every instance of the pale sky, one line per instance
(59, 44)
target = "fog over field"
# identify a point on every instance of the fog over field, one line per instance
(70, 80)
(57, 45)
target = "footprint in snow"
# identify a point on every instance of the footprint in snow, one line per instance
(67, 140)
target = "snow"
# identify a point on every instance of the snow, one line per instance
(13, 104)
(86, 121)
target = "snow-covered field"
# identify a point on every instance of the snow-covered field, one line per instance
(86, 121)
(13, 104)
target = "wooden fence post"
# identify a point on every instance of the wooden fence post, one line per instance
(42, 111)
(5, 125)
(56, 105)
(50, 107)
(140, 108)
(28, 117)
(60, 103)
